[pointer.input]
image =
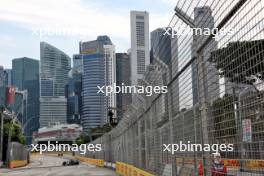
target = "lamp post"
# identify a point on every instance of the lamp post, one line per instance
(13, 120)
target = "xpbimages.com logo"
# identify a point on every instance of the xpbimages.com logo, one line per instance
(178, 31)
(57, 147)
(51, 31)
(189, 147)
(148, 90)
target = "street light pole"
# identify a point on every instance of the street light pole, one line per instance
(13, 120)
(8, 154)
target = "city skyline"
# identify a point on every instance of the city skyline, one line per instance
(20, 24)
(153, 94)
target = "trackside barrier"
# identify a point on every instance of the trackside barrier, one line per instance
(19, 156)
(253, 165)
(129, 170)
(19, 163)
(232, 163)
(97, 162)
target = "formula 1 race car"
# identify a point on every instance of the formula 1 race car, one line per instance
(71, 162)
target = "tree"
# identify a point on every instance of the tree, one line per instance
(16, 131)
(16, 135)
(83, 139)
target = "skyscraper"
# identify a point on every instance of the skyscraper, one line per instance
(78, 63)
(8, 77)
(25, 77)
(160, 46)
(74, 96)
(54, 68)
(54, 64)
(203, 19)
(2, 86)
(2, 76)
(139, 26)
(53, 111)
(46, 87)
(123, 76)
(164, 48)
(98, 70)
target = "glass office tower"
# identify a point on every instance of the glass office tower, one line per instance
(25, 76)
(54, 68)
(98, 70)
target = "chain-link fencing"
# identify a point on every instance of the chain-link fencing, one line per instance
(215, 95)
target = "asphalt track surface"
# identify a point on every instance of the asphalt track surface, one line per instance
(45, 165)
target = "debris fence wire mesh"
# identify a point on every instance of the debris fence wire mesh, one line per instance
(215, 96)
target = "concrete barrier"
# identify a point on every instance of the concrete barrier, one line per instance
(18, 163)
(19, 155)
(96, 162)
(129, 170)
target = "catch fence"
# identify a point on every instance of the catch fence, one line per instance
(215, 95)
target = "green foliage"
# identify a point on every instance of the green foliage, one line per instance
(16, 131)
(83, 139)
(95, 133)
(101, 130)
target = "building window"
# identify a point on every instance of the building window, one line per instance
(140, 61)
(140, 31)
(140, 17)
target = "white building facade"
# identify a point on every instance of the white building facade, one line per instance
(140, 58)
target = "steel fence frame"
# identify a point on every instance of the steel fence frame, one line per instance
(152, 121)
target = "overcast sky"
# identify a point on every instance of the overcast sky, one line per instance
(20, 22)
